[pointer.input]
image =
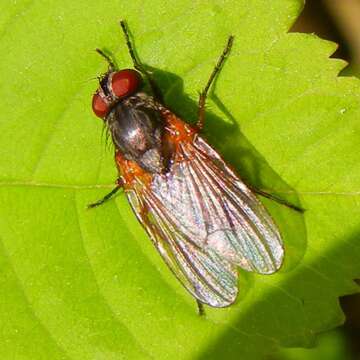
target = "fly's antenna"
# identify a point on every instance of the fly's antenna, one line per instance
(112, 66)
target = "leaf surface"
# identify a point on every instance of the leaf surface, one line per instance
(80, 284)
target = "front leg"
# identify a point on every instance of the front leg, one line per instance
(139, 66)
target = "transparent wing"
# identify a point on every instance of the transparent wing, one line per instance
(204, 221)
(213, 209)
(208, 277)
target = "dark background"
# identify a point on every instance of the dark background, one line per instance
(338, 21)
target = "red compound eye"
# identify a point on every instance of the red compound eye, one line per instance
(99, 106)
(125, 82)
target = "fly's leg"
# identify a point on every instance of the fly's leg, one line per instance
(107, 196)
(277, 199)
(201, 310)
(112, 66)
(204, 92)
(138, 66)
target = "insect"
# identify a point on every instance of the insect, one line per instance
(202, 218)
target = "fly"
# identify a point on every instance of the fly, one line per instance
(202, 218)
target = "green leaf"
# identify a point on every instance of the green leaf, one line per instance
(78, 284)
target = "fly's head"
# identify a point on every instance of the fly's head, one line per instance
(114, 87)
(132, 118)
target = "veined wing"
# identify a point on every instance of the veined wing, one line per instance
(204, 221)
(213, 209)
(206, 275)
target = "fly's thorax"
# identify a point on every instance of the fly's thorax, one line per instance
(137, 128)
